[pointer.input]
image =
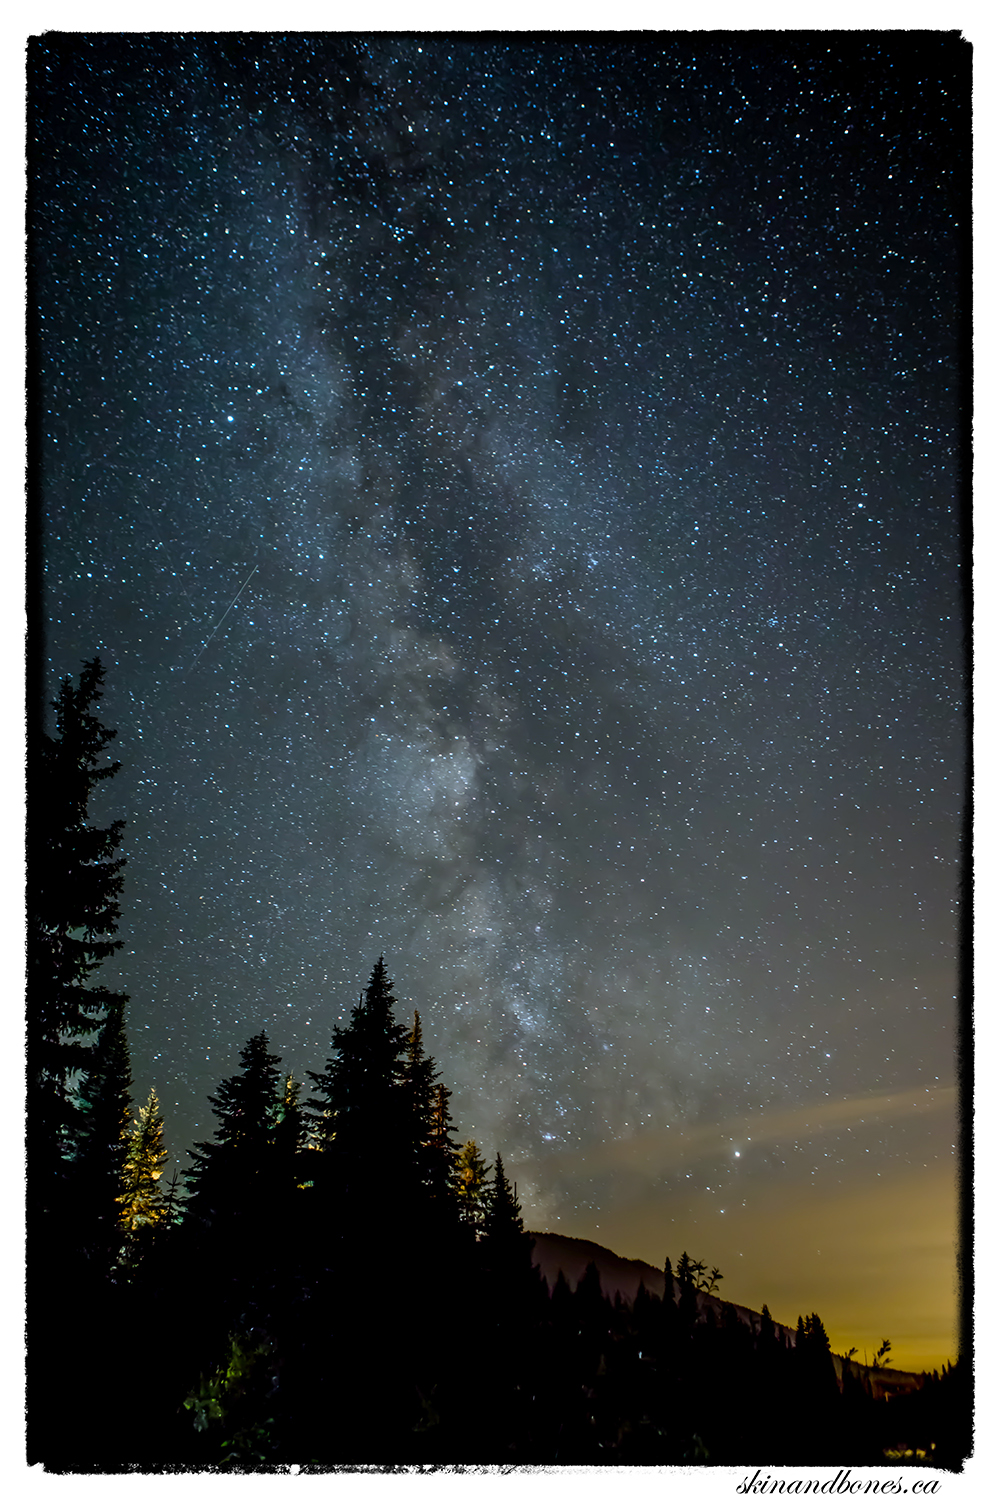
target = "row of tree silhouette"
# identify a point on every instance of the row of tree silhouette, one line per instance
(379, 1111)
(379, 1116)
(337, 1281)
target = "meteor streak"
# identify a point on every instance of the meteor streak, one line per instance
(208, 642)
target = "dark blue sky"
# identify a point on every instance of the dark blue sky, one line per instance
(579, 425)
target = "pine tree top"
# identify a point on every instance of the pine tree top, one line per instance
(380, 986)
(503, 1212)
(247, 1104)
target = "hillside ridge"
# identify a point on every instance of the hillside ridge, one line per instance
(553, 1252)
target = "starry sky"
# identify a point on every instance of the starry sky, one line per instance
(516, 484)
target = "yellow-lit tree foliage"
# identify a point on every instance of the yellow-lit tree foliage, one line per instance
(142, 1202)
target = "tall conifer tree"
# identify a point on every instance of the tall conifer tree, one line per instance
(104, 1106)
(443, 1152)
(503, 1226)
(418, 1075)
(361, 1113)
(74, 880)
(77, 1074)
(232, 1175)
(472, 1173)
(141, 1201)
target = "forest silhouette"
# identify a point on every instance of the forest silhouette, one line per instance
(336, 1281)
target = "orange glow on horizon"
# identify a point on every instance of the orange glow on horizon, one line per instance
(875, 1259)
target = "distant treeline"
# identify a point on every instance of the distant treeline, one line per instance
(336, 1281)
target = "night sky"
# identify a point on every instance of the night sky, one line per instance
(516, 485)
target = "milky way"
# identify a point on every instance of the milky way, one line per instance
(577, 428)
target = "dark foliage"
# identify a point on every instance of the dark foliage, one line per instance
(232, 1176)
(78, 1073)
(364, 1119)
(340, 1285)
(288, 1336)
(104, 1103)
(74, 880)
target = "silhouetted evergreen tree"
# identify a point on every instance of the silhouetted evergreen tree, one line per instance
(74, 880)
(644, 1316)
(382, 1178)
(816, 1335)
(104, 1105)
(588, 1294)
(443, 1152)
(669, 1318)
(173, 1212)
(76, 1083)
(74, 1251)
(417, 1074)
(562, 1300)
(361, 1115)
(812, 1346)
(78, 1304)
(233, 1174)
(503, 1226)
(515, 1305)
(418, 1077)
(226, 1250)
